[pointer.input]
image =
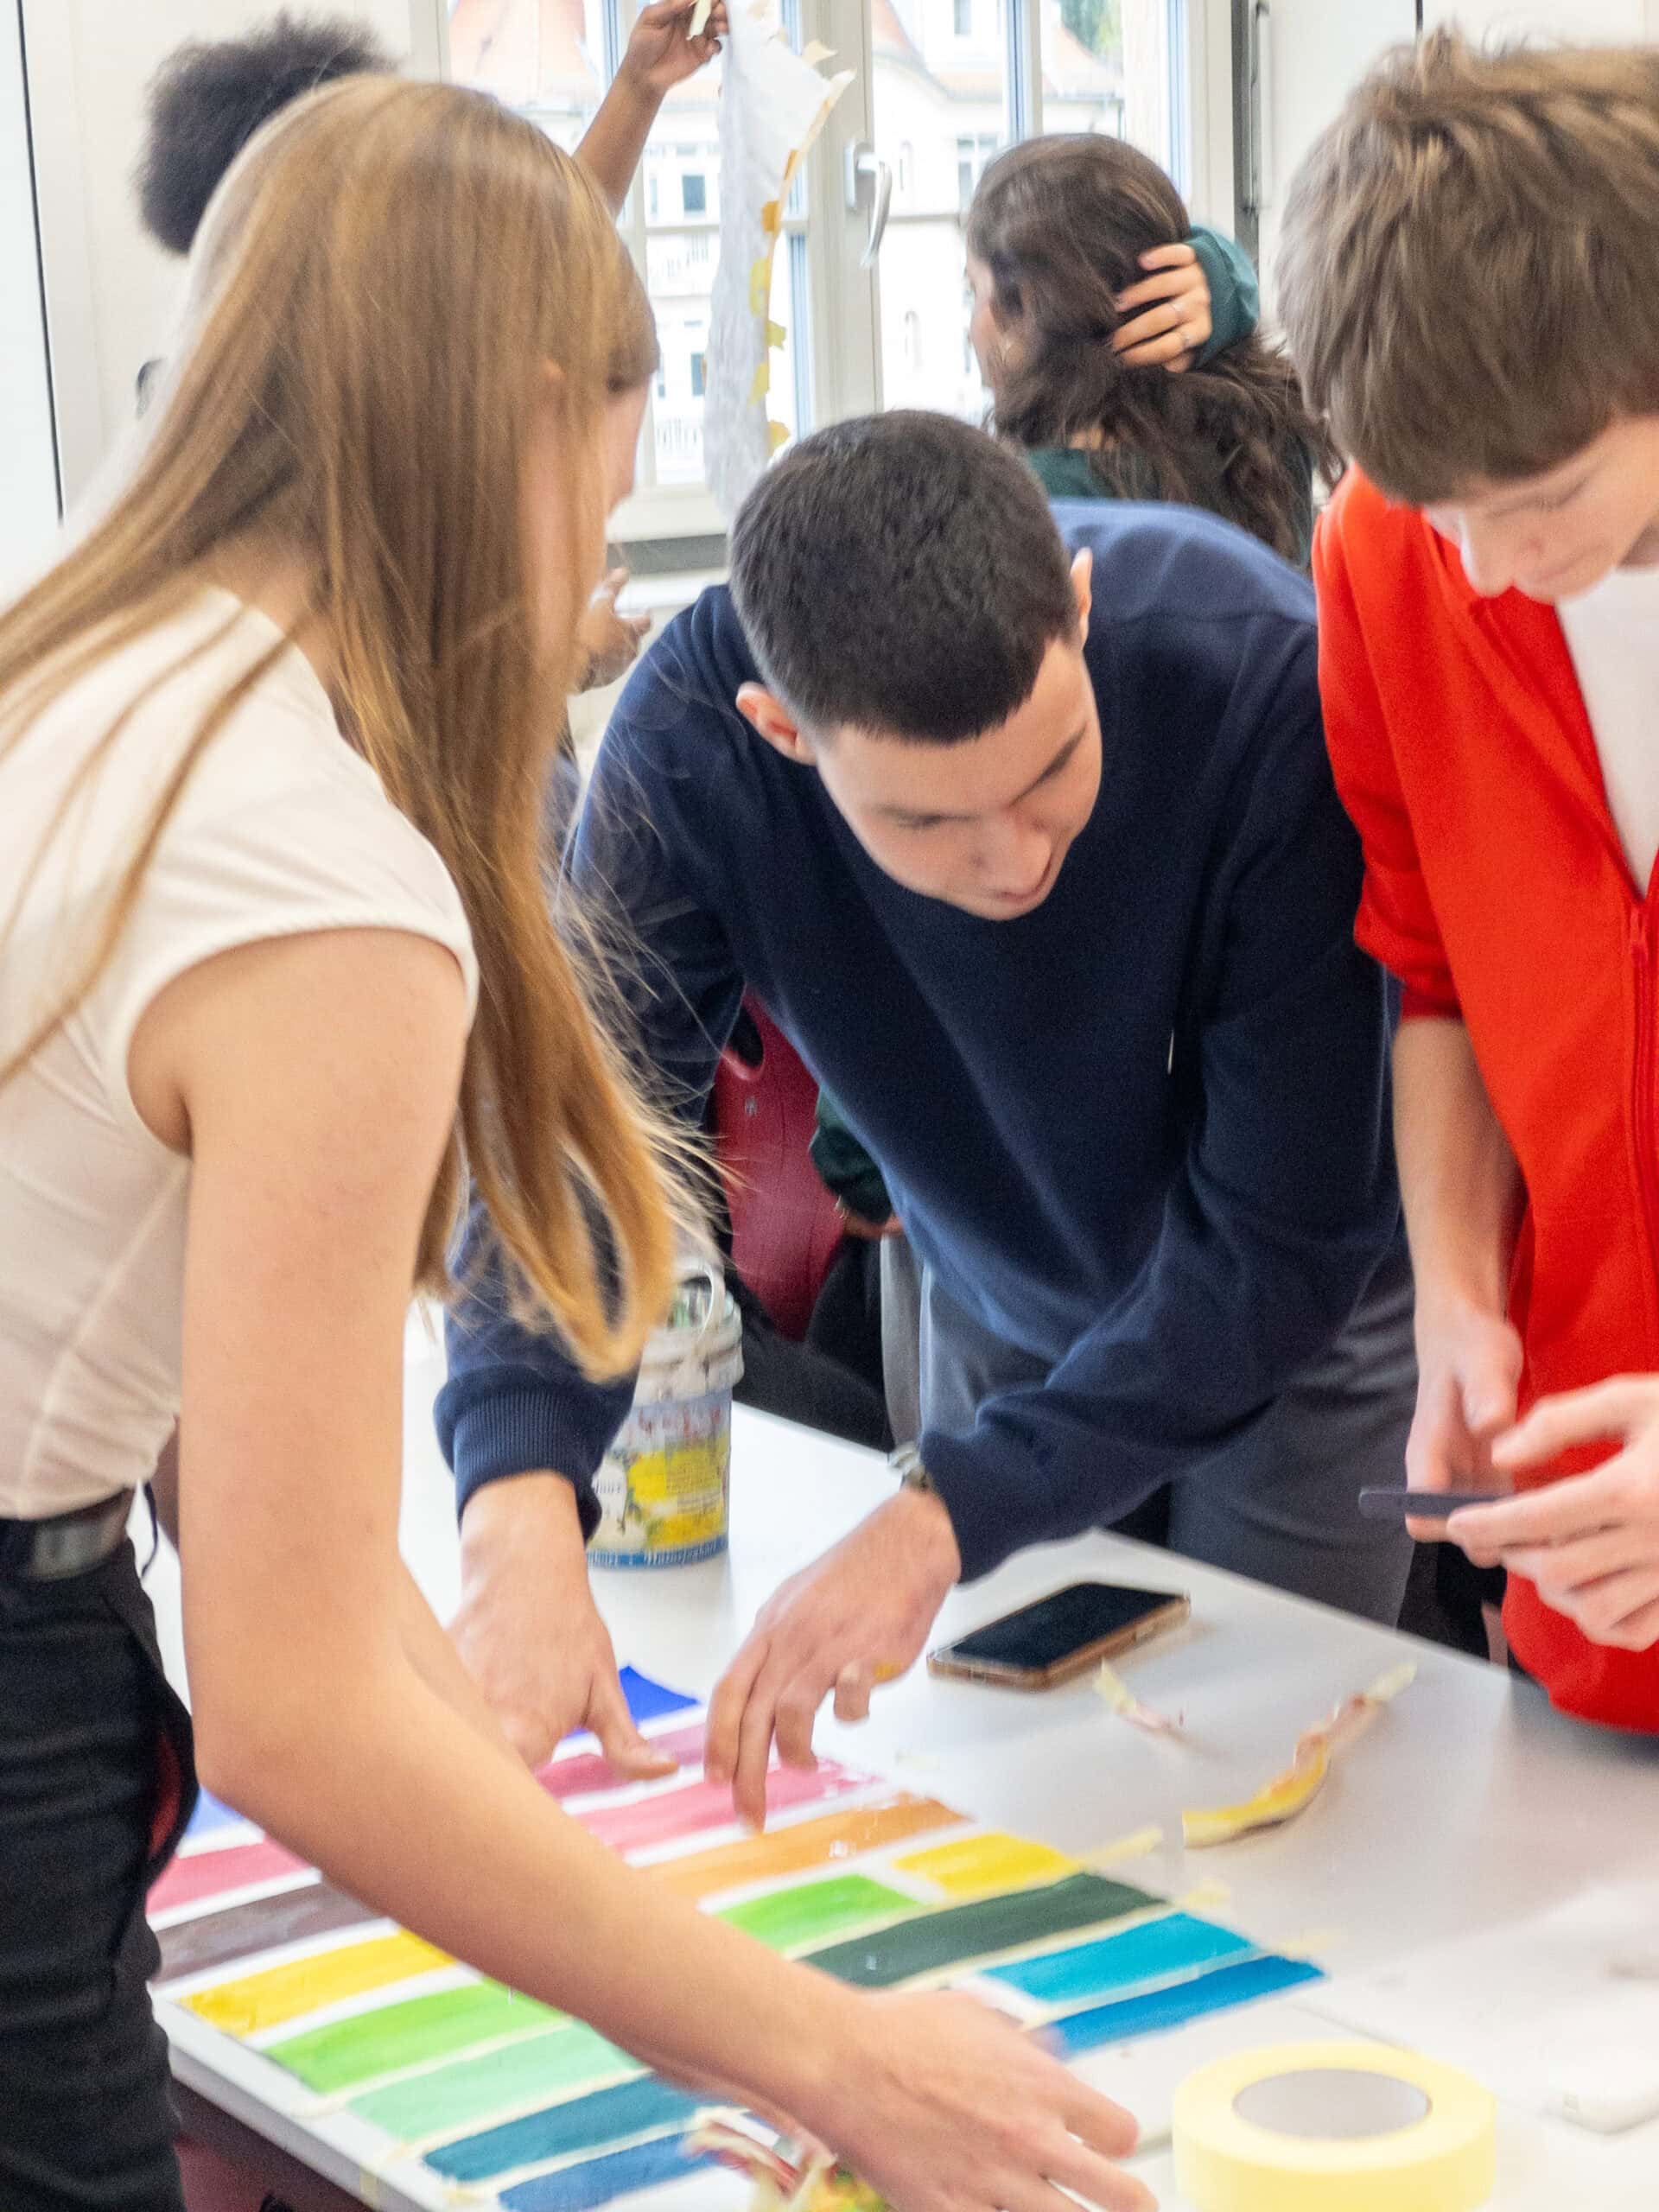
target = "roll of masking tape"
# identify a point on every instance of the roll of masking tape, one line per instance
(1333, 2127)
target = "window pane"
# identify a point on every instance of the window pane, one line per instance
(543, 57)
(939, 88)
(1106, 67)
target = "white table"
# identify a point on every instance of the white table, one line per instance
(1469, 1804)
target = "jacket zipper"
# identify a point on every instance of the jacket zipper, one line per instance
(1647, 1163)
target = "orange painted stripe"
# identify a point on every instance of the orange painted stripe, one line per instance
(810, 1843)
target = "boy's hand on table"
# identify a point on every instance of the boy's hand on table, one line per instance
(529, 1630)
(857, 1616)
(1468, 1373)
(1590, 1543)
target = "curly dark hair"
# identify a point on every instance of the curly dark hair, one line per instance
(208, 99)
(1060, 223)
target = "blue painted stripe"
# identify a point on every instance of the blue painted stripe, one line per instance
(580, 2189)
(1171, 2008)
(1088, 1972)
(648, 1700)
(558, 2131)
(210, 1814)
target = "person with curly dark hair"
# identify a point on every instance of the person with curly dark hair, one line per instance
(209, 98)
(1058, 233)
(211, 95)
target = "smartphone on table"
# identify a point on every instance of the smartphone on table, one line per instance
(1059, 1636)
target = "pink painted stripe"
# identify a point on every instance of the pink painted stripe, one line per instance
(588, 1770)
(671, 1814)
(205, 1873)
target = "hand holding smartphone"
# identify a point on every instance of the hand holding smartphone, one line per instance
(1059, 1636)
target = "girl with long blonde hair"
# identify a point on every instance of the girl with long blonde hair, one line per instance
(275, 963)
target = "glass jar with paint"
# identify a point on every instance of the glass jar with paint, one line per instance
(664, 1485)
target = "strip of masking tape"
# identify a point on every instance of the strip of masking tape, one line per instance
(1138, 1843)
(1300, 2128)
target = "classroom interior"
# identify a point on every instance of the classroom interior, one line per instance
(1289, 1824)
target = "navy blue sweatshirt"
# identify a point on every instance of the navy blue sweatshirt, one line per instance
(1141, 1132)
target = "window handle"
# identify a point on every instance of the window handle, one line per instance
(862, 162)
(1260, 107)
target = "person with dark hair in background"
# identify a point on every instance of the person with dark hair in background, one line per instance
(209, 98)
(1057, 230)
(1028, 839)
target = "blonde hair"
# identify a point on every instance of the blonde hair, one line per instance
(379, 288)
(1467, 276)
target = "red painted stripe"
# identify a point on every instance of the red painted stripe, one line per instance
(670, 1814)
(585, 1771)
(208, 1873)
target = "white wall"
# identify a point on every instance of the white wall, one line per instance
(112, 294)
(1618, 22)
(1320, 48)
(1316, 53)
(28, 511)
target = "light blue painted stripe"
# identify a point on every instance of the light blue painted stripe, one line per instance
(1085, 1972)
(1171, 2008)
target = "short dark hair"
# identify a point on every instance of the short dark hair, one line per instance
(1466, 273)
(208, 99)
(901, 573)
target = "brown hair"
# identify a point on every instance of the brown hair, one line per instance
(1060, 223)
(379, 288)
(1467, 274)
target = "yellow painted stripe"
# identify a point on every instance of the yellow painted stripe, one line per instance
(982, 1865)
(265, 2000)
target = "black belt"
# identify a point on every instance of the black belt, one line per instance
(64, 1543)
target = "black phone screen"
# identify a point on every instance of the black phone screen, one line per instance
(1042, 1634)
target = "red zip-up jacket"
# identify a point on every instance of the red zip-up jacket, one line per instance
(1497, 889)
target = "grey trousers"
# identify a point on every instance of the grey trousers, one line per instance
(1280, 1502)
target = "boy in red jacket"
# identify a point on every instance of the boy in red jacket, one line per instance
(1469, 285)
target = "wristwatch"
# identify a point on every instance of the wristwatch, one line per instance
(907, 1464)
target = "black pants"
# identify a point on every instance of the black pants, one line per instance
(96, 1784)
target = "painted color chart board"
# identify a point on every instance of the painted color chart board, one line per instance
(410, 2077)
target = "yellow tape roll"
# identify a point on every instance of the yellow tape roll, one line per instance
(1333, 2127)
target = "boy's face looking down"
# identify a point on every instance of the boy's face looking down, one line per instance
(1555, 536)
(984, 825)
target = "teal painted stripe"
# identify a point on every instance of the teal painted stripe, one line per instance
(596, 2181)
(582, 2124)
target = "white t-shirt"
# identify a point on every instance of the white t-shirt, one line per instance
(1613, 633)
(281, 829)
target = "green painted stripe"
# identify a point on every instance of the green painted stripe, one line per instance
(811, 1911)
(389, 2036)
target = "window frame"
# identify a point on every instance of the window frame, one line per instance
(837, 356)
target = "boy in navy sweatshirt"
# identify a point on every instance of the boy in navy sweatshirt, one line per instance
(1028, 839)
